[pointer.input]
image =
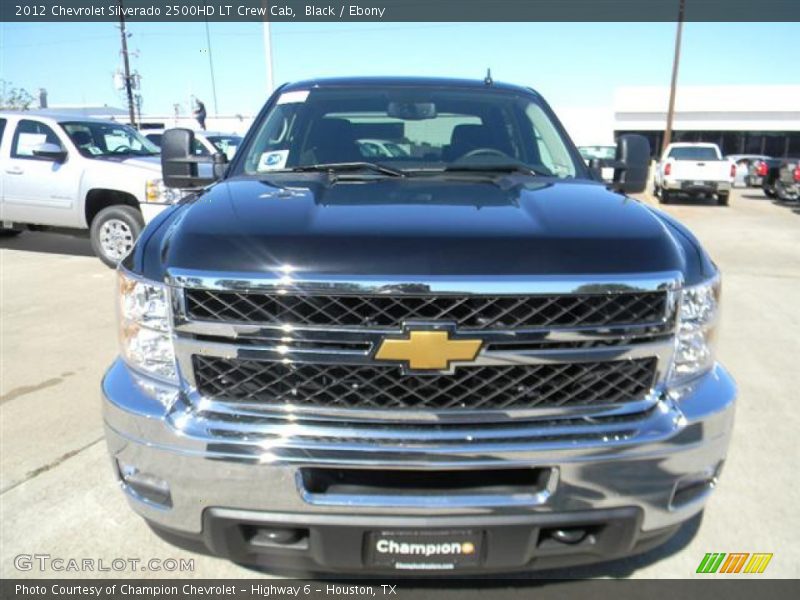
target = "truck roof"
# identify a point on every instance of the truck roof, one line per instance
(56, 116)
(693, 145)
(403, 81)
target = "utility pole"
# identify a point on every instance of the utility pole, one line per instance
(211, 67)
(673, 84)
(126, 66)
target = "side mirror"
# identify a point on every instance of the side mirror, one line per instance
(632, 164)
(50, 151)
(179, 165)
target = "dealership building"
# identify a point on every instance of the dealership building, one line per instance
(742, 119)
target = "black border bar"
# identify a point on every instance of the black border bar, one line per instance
(331, 11)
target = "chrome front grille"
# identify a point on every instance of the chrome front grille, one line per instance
(304, 350)
(495, 387)
(468, 312)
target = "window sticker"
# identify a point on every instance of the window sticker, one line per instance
(273, 160)
(293, 97)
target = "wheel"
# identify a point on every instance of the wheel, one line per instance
(769, 192)
(722, 199)
(665, 196)
(114, 231)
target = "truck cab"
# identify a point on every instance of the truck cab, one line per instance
(77, 173)
(470, 357)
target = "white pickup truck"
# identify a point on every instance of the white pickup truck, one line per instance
(694, 170)
(61, 171)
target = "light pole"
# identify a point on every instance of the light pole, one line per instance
(675, 62)
(268, 57)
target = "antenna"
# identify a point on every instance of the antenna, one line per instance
(488, 79)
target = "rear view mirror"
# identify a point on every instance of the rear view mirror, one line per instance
(411, 111)
(632, 164)
(179, 164)
(50, 151)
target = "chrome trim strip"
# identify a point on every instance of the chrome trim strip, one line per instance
(290, 280)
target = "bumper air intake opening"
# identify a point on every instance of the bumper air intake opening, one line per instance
(391, 482)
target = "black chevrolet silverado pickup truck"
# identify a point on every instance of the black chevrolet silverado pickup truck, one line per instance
(408, 330)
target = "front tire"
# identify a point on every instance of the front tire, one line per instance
(113, 232)
(722, 199)
(665, 196)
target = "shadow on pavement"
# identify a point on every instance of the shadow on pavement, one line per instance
(49, 243)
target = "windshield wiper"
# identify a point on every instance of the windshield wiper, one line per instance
(496, 168)
(349, 166)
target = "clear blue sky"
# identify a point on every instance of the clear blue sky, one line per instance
(571, 64)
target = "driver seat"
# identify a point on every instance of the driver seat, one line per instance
(468, 137)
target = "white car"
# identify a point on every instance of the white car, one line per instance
(693, 169)
(206, 143)
(79, 173)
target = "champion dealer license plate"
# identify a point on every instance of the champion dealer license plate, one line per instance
(430, 550)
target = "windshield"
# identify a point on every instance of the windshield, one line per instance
(97, 139)
(409, 129)
(694, 153)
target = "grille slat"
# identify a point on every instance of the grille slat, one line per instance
(495, 387)
(470, 312)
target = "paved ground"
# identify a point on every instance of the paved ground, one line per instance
(58, 497)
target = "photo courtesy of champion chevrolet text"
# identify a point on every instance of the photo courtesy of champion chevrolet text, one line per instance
(388, 298)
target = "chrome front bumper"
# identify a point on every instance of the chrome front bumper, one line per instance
(680, 444)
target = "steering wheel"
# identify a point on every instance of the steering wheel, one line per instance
(484, 152)
(122, 148)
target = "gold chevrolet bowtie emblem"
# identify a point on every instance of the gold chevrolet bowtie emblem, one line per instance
(428, 350)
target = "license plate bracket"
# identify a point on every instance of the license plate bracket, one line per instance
(424, 550)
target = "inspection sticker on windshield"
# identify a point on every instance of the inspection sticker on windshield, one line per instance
(293, 97)
(274, 160)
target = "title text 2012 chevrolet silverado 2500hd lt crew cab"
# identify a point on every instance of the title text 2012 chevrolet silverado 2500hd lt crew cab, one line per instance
(693, 170)
(79, 173)
(475, 357)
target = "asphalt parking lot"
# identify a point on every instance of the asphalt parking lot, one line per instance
(58, 496)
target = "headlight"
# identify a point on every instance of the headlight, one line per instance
(694, 344)
(144, 327)
(156, 191)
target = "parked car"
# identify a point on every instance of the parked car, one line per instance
(694, 170)
(605, 155)
(63, 171)
(475, 360)
(787, 186)
(767, 173)
(381, 148)
(745, 169)
(206, 142)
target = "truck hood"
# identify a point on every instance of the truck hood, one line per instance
(418, 227)
(148, 164)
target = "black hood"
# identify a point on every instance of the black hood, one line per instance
(420, 226)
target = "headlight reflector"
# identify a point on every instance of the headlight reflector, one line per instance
(694, 344)
(156, 191)
(144, 326)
